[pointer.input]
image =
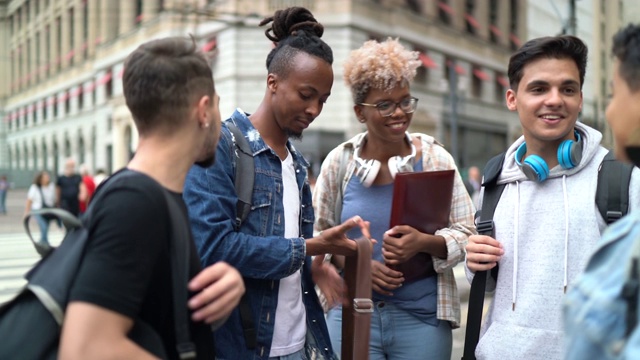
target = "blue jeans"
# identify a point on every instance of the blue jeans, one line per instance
(298, 355)
(3, 201)
(44, 228)
(396, 335)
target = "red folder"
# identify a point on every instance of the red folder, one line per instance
(421, 200)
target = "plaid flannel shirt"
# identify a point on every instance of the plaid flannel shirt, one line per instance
(434, 157)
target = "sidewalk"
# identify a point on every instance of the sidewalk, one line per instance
(12, 221)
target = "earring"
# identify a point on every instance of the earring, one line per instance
(362, 120)
(206, 125)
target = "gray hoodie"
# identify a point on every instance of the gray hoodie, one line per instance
(548, 231)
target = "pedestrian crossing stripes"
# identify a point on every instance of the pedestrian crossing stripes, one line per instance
(17, 256)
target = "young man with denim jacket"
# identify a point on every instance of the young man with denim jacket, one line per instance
(272, 248)
(599, 319)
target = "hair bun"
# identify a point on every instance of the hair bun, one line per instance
(293, 21)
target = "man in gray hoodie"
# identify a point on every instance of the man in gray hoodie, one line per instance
(546, 221)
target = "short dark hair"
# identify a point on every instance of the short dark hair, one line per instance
(549, 47)
(162, 78)
(626, 48)
(294, 30)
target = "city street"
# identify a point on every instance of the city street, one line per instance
(18, 255)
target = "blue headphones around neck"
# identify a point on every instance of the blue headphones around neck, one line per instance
(536, 169)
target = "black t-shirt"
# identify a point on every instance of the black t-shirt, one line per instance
(69, 191)
(127, 266)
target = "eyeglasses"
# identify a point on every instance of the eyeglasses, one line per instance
(387, 108)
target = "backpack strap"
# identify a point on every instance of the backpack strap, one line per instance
(612, 194)
(245, 174)
(179, 250)
(243, 183)
(492, 193)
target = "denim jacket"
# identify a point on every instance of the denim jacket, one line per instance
(594, 309)
(259, 250)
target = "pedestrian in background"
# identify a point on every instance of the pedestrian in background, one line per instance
(99, 177)
(41, 194)
(4, 188)
(406, 313)
(89, 185)
(70, 190)
(473, 184)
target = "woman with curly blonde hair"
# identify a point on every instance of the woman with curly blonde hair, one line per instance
(412, 318)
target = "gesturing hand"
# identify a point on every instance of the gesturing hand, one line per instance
(336, 241)
(328, 280)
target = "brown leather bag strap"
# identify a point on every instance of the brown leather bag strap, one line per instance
(356, 315)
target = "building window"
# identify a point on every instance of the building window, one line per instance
(414, 5)
(448, 62)
(13, 70)
(55, 109)
(34, 152)
(67, 102)
(44, 110)
(108, 85)
(80, 98)
(72, 32)
(477, 81)
(47, 51)
(38, 60)
(427, 64)
(28, 64)
(58, 43)
(11, 25)
(513, 27)
(494, 31)
(502, 84)
(138, 19)
(470, 20)
(445, 12)
(85, 29)
(92, 88)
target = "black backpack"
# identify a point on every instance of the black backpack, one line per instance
(612, 199)
(243, 183)
(30, 323)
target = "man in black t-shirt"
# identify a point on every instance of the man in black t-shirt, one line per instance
(70, 190)
(125, 277)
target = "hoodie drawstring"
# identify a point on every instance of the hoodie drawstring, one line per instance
(515, 246)
(566, 229)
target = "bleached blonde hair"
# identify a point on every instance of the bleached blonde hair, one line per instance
(379, 65)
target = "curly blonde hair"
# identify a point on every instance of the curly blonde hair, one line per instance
(379, 65)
